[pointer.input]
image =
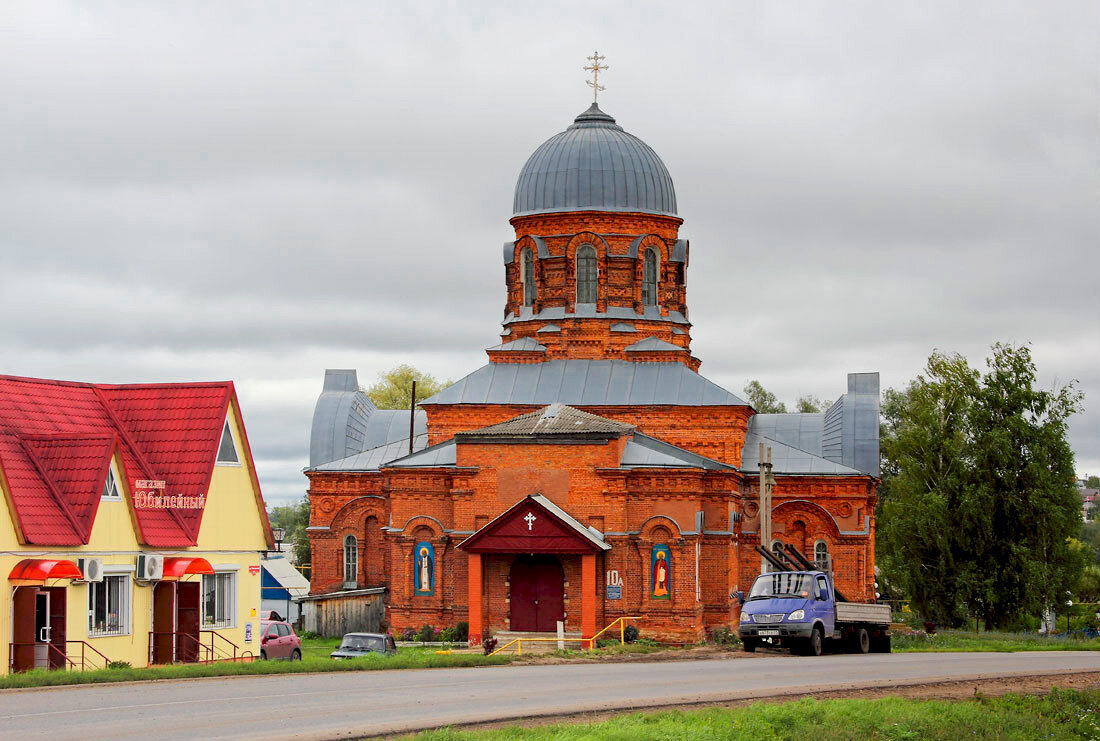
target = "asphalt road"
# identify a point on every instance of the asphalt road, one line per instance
(346, 704)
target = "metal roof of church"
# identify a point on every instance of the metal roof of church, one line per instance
(594, 165)
(586, 383)
(787, 459)
(556, 419)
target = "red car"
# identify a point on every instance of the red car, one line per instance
(279, 641)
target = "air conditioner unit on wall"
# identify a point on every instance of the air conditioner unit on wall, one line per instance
(150, 567)
(92, 568)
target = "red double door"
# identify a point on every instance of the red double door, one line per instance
(537, 594)
(175, 622)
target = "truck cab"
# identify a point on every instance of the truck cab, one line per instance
(785, 608)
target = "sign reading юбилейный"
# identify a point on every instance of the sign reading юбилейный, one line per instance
(150, 494)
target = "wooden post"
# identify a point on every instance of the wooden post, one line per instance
(588, 595)
(473, 585)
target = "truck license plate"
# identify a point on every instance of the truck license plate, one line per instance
(768, 632)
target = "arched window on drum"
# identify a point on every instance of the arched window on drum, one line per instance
(351, 562)
(649, 278)
(527, 267)
(821, 555)
(586, 274)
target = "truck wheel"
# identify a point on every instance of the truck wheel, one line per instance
(861, 641)
(814, 643)
(748, 645)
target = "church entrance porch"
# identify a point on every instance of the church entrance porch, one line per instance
(537, 594)
(536, 536)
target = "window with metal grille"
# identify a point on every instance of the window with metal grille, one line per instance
(649, 279)
(821, 555)
(219, 598)
(527, 265)
(586, 274)
(351, 562)
(109, 606)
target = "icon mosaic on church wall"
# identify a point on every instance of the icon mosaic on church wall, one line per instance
(661, 568)
(424, 572)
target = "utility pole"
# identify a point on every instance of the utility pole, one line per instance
(412, 418)
(767, 482)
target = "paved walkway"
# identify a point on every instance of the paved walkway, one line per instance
(344, 704)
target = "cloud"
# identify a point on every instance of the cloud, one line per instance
(259, 192)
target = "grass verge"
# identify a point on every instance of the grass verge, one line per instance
(1063, 714)
(315, 659)
(958, 640)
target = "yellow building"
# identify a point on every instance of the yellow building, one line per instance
(133, 524)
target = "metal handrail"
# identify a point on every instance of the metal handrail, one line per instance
(85, 662)
(212, 655)
(518, 642)
(622, 630)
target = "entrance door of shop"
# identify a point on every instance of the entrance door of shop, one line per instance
(187, 621)
(164, 623)
(537, 593)
(56, 621)
(175, 622)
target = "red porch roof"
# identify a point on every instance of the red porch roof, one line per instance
(174, 568)
(38, 570)
(534, 525)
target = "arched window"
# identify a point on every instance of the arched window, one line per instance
(527, 267)
(649, 279)
(351, 561)
(586, 274)
(821, 555)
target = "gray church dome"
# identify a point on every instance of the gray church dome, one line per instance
(594, 165)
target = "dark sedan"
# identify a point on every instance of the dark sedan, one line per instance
(362, 644)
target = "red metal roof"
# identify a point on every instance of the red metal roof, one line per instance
(39, 570)
(57, 438)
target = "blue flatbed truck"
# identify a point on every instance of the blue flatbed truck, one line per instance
(800, 610)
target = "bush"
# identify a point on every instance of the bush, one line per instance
(448, 635)
(723, 635)
(118, 665)
(631, 634)
(309, 635)
(408, 635)
(462, 631)
(489, 645)
(426, 634)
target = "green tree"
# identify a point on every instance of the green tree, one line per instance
(294, 519)
(762, 400)
(1093, 482)
(925, 476)
(809, 404)
(1023, 508)
(394, 387)
(978, 505)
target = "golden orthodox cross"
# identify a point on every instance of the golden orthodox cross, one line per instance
(596, 68)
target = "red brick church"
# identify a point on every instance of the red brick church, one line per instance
(587, 471)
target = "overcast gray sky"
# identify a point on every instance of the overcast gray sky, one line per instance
(260, 191)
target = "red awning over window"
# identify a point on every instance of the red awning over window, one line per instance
(174, 568)
(38, 570)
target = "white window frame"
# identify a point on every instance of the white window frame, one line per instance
(236, 446)
(125, 608)
(230, 615)
(107, 485)
(821, 564)
(354, 581)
